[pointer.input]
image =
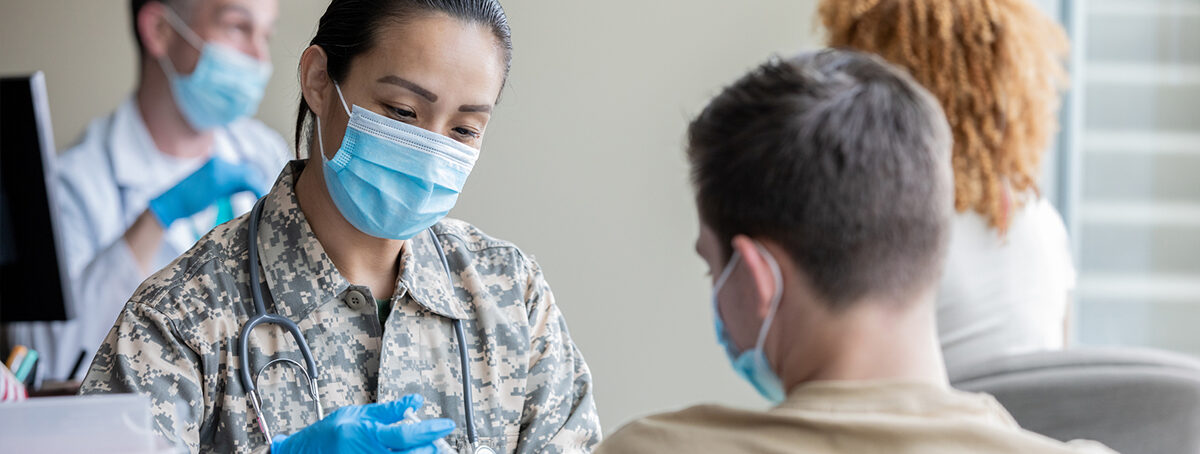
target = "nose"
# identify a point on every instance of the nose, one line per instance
(260, 49)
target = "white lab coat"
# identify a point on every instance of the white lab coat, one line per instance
(104, 183)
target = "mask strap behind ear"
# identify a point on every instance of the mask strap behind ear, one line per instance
(342, 98)
(183, 29)
(776, 296)
(320, 140)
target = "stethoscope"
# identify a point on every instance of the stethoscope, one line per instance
(309, 368)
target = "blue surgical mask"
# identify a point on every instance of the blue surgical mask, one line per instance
(225, 86)
(390, 179)
(752, 364)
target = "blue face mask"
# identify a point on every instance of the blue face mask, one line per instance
(225, 86)
(752, 364)
(391, 179)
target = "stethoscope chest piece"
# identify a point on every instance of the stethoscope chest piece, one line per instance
(484, 450)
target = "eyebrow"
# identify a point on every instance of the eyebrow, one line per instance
(475, 108)
(396, 80)
(233, 8)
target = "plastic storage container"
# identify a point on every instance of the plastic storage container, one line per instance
(92, 424)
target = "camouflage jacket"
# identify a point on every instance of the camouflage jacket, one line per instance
(176, 339)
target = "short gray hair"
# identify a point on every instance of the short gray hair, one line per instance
(839, 157)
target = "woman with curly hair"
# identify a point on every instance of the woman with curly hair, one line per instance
(996, 66)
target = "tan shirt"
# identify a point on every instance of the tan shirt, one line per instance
(845, 417)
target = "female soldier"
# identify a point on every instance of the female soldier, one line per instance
(350, 246)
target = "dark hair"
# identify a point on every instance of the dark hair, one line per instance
(841, 159)
(181, 7)
(349, 28)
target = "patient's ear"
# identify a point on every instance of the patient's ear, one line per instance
(762, 276)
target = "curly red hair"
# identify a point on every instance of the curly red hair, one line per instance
(996, 66)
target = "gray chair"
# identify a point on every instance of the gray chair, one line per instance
(1134, 401)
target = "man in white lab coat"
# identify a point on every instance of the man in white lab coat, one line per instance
(178, 157)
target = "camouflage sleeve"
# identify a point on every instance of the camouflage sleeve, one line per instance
(560, 413)
(145, 354)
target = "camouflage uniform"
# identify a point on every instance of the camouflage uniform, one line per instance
(176, 339)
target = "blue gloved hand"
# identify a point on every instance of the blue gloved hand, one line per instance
(215, 180)
(370, 428)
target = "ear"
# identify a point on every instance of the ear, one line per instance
(761, 273)
(315, 83)
(154, 30)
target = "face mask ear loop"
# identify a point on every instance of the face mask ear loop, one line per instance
(320, 140)
(183, 29)
(342, 98)
(776, 297)
(725, 273)
(733, 259)
(188, 35)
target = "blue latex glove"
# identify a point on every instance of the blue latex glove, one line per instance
(215, 180)
(370, 428)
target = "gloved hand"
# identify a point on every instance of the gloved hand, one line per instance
(370, 428)
(215, 180)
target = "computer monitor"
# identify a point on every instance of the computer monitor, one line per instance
(33, 281)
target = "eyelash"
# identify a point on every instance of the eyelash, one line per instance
(402, 113)
(467, 132)
(408, 115)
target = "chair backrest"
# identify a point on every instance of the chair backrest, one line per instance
(1134, 401)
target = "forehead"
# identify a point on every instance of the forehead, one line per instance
(438, 52)
(259, 10)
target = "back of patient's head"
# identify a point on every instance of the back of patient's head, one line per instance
(840, 159)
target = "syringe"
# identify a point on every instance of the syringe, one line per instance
(410, 417)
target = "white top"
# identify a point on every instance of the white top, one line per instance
(1005, 295)
(104, 183)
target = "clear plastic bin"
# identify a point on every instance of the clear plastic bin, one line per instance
(118, 423)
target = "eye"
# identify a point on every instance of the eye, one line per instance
(403, 113)
(466, 132)
(238, 27)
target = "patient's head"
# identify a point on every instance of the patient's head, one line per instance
(838, 164)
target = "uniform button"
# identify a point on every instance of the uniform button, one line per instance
(355, 299)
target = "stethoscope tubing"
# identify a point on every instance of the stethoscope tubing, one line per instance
(262, 317)
(468, 410)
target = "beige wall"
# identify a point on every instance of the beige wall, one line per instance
(583, 164)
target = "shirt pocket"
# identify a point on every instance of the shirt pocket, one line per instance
(508, 443)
